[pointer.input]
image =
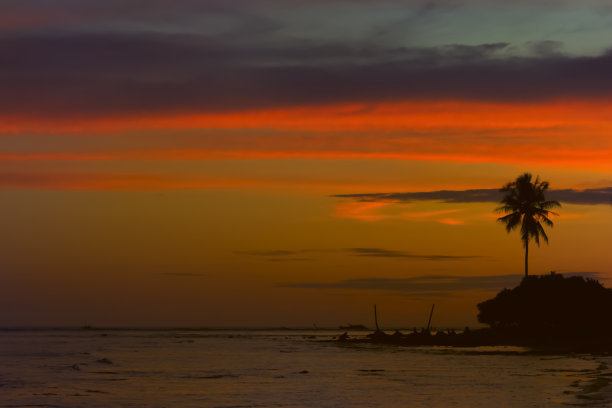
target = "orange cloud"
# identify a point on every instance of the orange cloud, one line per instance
(361, 210)
(568, 133)
(463, 153)
(384, 116)
(371, 211)
(452, 221)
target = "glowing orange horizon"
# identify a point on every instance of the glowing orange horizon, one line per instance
(575, 134)
(595, 159)
(357, 116)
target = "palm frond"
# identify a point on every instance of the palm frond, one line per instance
(542, 233)
(549, 204)
(512, 220)
(525, 204)
(546, 221)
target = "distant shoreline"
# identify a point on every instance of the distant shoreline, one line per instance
(488, 338)
(170, 328)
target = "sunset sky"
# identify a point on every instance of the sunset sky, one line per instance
(290, 163)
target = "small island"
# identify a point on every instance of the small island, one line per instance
(545, 311)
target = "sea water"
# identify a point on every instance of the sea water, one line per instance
(282, 368)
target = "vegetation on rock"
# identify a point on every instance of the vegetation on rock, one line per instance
(552, 304)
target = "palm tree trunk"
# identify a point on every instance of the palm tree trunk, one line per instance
(526, 256)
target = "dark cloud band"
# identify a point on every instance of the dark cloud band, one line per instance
(387, 253)
(85, 74)
(427, 284)
(586, 197)
(284, 255)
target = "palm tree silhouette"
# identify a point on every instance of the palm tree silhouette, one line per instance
(524, 204)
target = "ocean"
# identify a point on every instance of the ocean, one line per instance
(282, 368)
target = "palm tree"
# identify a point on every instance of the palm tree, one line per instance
(524, 204)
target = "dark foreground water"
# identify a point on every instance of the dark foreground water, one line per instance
(74, 368)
